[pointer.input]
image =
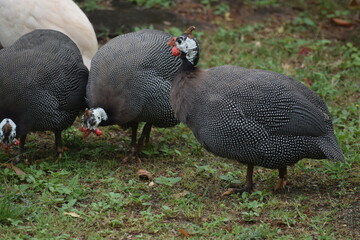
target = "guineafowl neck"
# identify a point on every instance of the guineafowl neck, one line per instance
(183, 90)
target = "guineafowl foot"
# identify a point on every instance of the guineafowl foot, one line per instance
(133, 157)
(282, 179)
(281, 184)
(238, 191)
(59, 153)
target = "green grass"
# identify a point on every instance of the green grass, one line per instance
(90, 194)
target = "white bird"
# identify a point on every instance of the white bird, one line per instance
(18, 17)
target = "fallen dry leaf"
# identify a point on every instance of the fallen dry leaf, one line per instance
(280, 29)
(228, 17)
(308, 81)
(304, 51)
(227, 192)
(341, 22)
(144, 174)
(72, 214)
(184, 232)
(18, 171)
(182, 194)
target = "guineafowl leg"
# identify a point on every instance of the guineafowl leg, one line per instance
(249, 185)
(19, 158)
(134, 146)
(282, 179)
(22, 144)
(146, 134)
(58, 144)
(144, 138)
(134, 128)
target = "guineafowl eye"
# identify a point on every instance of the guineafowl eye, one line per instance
(179, 40)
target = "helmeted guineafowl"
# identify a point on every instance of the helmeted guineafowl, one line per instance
(258, 117)
(18, 17)
(129, 82)
(42, 85)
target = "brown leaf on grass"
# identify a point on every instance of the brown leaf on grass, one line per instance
(227, 192)
(18, 171)
(308, 81)
(182, 194)
(183, 232)
(144, 174)
(72, 214)
(341, 22)
(304, 51)
(228, 17)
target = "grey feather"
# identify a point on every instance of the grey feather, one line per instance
(257, 117)
(42, 82)
(130, 79)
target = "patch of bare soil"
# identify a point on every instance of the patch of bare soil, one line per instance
(351, 217)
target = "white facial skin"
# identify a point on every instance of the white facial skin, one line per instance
(97, 115)
(188, 46)
(12, 134)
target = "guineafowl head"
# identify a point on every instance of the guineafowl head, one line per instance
(93, 117)
(7, 131)
(186, 46)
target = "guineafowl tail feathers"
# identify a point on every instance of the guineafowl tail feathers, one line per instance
(331, 149)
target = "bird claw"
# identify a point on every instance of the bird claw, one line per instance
(281, 184)
(132, 158)
(238, 191)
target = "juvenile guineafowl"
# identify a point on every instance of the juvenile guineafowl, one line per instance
(42, 86)
(257, 117)
(18, 17)
(129, 82)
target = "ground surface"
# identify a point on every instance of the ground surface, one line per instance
(91, 194)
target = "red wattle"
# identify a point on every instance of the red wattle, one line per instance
(175, 51)
(86, 131)
(98, 132)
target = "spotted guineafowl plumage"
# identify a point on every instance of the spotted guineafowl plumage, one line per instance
(258, 117)
(129, 83)
(42, 84)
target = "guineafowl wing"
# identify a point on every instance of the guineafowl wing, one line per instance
(44, 80)
(130, 78)
(50, 42)
(272, 100)
(72, 96)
